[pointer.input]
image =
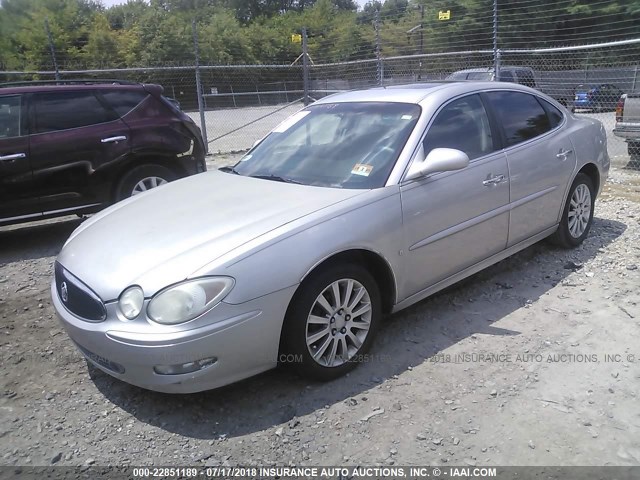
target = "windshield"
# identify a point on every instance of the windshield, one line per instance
(480, 76)
(341, 145)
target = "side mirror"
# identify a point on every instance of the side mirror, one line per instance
(439, 160)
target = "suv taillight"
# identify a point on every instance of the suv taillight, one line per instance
(620, 109)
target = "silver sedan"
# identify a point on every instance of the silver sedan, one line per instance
(355, 207)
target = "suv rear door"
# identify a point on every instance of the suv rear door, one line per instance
(16, 196)
(75, 136)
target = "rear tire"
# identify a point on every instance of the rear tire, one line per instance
(577, 216)
(142, 178)
(633, 148)
(329, 336)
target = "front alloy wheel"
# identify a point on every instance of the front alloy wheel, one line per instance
(339, 322)
(332, 321)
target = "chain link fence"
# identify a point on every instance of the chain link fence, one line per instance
(241, 104)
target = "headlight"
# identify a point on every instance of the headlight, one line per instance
(185, 301)
(130, 302)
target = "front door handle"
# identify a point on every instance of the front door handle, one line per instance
(119, 138)
(562, 154)
(12, 157)
(493, 180)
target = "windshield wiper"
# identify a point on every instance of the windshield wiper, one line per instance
(276, 178)
(229, 170)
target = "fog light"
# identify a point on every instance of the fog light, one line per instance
(183, 368)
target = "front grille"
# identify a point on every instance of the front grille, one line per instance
(78, 298)
(103, 362)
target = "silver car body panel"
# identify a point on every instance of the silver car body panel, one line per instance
(268, 236)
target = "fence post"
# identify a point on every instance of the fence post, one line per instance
(51, 48)
(203, 124)
(635, 78)
(380, 66)
(496, 52)
(305, 67)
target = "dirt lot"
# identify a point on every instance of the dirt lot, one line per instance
(534, 361)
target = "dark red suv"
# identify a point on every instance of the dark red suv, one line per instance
(78, 147)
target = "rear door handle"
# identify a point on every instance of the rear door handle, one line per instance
(119, 138)
(493, 180)
(562, 154)
(12, 157)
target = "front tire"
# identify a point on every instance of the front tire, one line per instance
(331, 321)
(577, 216)
(143, 178)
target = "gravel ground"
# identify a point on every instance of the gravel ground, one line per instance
(534, 361)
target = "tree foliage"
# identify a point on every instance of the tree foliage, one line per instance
(87, 35)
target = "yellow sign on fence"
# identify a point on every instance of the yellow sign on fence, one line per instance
(444, 15)
(296, 38)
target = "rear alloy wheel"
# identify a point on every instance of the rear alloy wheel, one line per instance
(143, 178)
(578, 213)
(332, 321)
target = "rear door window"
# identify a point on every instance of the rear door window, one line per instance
(64, 110)
(555, 115)
(520, 115)
(123, 101)
(10, 116)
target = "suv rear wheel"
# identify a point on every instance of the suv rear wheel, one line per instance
(143, 178)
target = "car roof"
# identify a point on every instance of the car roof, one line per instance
(45, 87)
(417, 92)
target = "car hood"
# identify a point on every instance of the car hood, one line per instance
(164, 235)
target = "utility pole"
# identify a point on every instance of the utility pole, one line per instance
(52, 48)
(380, 66)
(305, 67)
(496, 52)
(196, 51)
(421, 29)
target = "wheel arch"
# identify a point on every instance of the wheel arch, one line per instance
(373, 261)
(136, 160)
(590, 169)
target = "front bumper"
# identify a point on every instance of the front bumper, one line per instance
(243, 338)
(630, 132)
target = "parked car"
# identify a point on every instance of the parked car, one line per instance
(80, 146)
(522, 75)
(357, 206)
(597, 98)
(628, 122)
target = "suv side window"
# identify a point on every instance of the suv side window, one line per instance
(507, 76)
(123, 101)
(10, 116)
(462, 124)
(525, 77)
(64, 110)
(520, 114)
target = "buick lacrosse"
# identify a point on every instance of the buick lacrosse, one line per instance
(355, 207)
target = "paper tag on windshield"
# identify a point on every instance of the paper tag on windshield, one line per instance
(291, 121)
(361, 169)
